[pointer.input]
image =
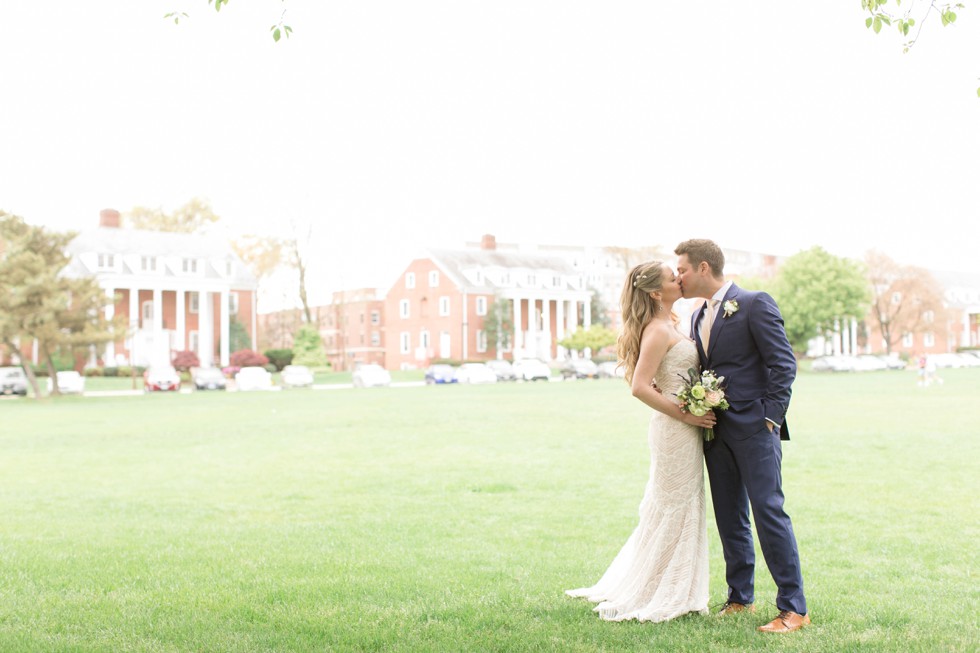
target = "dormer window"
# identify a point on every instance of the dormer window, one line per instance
(107, 261)
(148, 264)
(531, 280)
(189, 266)
(227, 268)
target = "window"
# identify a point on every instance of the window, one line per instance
(403, 308)
(406, 342)
(361, 318)
(410, 280)
(189, 265)
(532, 280)
(481, 341)
(375, 339)
(195, 299)
(479, 278)
(907, 339)
(424, 339)
(227, 268)
(147, 312)
(107, 261)
(233, 303)
(375, 318)
(434, 279)
(443, 306)
(896, 298)
(192, 341)
(481, 305)
(148, 264)
(929, 317)
(929, 339)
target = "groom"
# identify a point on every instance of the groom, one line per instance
(739, 334)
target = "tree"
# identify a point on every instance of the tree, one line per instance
(904, 298)
(278, 29)
(598, 310)
(594, 338)
(308, 347)
(194, 216)
(815, 289)
(238, 337)
(247, 358)
(298, 259)
(909, 22)
(38, 300)
(185, 360)
(498, 324)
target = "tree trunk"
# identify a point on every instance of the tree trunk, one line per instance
(28, 367)
(52, 372)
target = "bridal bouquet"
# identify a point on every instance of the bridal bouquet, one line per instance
(701, 393)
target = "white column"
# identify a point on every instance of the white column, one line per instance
(225, 328)
(204, 329)
(838, 349)
(134, 323)
(854, 336)
(560, 327)
(110, 312)
(546, 324)
(161, 348)
(181, 321)
(532, 326)
(965, 338)
(518, 329)
(572, 316)
(587, 317)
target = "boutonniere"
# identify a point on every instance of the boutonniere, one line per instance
(730, 307)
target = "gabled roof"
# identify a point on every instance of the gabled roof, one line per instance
(139, 242)
(456, 263)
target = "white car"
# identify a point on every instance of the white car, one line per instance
(532, 369)
(69, 383)
(475, 373)
(370, 375)
(296, 376)
(253, 378)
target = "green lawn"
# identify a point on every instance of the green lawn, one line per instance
(452, 519)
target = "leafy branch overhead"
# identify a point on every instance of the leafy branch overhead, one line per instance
(279, 29)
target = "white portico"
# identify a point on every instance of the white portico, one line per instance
(178, 291)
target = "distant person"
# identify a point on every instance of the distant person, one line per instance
(740, 335)
(662, 570)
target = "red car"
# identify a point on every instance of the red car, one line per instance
(161, 378)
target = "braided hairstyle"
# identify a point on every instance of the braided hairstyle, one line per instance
(638, 308)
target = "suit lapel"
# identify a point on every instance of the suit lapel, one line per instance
(695, 333)
(720, 319)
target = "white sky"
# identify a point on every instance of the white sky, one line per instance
(396, 125)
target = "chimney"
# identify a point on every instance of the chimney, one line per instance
(488, 242)
(109, 218)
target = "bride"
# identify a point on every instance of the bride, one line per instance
(662, 570)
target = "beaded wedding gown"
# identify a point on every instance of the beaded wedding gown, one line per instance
(662, 570)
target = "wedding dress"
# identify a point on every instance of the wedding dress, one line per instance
(662, 570)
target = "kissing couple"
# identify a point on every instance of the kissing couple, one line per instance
(662, 570)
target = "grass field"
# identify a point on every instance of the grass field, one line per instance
(452, 519)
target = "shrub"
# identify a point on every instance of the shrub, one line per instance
(308, 347)
(92, 371)
(124, 370)
(271, 369)
(185, 360)
(110, 371)
(280, 357)
(248, 358)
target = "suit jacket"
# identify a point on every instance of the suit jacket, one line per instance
(750, 349)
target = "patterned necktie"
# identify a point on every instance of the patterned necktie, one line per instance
(707, 322)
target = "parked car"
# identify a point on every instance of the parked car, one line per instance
(440, 373)
(893, 362)
(579, 368)
(611, 370)
(70, 382)
(532, 369)
(13, 381)
(370, 375)
(161, 378)
(475, 373)
(253, 378)
(869, 363)
(296, 376)
(208, 378)
(503, 369)
(832, 364)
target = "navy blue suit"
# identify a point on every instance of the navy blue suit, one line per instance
(750, 349)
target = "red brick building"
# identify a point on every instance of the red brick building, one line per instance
(437, 306)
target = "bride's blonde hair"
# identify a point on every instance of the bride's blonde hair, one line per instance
(638, 308)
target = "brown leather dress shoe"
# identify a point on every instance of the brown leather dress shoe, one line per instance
(786, 622)
(731, 607)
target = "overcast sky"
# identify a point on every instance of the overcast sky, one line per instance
(397, 125)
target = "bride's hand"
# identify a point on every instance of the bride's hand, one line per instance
(706, 421)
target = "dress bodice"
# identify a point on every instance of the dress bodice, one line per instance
(672, 374)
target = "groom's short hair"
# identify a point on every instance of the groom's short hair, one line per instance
(702, 249)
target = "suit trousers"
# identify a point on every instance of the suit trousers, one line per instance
(743, 473)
